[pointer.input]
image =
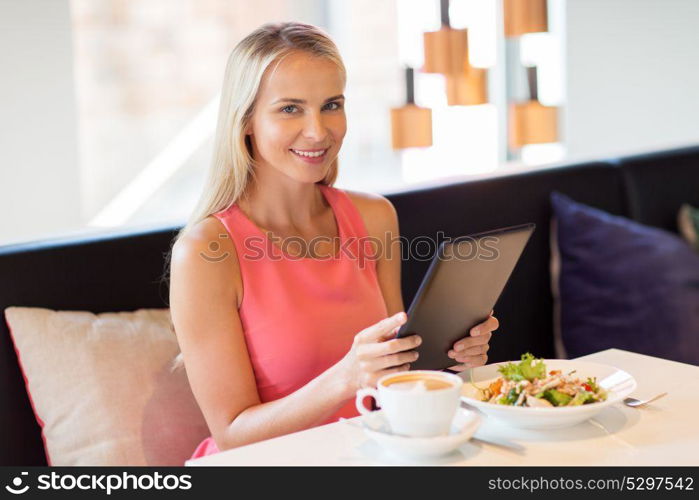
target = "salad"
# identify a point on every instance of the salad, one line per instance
(528, 384)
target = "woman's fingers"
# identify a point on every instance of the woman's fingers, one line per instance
(479, 334)
(392, 360)
(471, 361)
(492, 323)
(383, 328)
(470, 351)
(376, 349)
(468, 342)
(489, 325)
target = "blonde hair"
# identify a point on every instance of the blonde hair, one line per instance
(232, 163)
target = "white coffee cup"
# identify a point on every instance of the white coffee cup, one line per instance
(418, 403)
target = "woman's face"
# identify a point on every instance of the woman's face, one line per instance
(299, 120)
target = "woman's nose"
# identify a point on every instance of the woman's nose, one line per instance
(314, 128)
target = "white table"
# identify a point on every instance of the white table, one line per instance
(665, 433)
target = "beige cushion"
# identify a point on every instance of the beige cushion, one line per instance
(688, 224)
(104, 388)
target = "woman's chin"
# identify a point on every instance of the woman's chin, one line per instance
(311, 173)
(314, 179)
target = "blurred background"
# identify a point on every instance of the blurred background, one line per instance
(109, 106)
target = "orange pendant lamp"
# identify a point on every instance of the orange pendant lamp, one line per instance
(525, 16)
(411, 125)
(446, 50)
(468, 88)
(530, 121)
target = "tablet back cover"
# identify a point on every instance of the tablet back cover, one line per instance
(461, 287)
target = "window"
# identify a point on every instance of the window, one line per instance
(149, 74)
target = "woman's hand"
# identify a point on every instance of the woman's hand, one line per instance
(375, 353)
(471, 351)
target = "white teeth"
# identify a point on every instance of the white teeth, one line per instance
(308, 154)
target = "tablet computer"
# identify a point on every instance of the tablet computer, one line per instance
(462, 285)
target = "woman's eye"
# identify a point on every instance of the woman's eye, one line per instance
(336, 106)
(288, 109)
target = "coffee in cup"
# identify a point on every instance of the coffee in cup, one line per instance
(419, 403)
(413, 381)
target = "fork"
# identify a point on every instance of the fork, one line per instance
(637, 403)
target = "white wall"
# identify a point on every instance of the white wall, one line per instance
(39, 170)
(632, 76)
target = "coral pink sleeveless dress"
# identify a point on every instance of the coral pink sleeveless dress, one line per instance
(300, 315)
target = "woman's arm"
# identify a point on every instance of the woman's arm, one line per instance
(204, 296)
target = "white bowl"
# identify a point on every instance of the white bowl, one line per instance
(463, 426)
(618, 383)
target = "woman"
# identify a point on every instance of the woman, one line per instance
(276, 337)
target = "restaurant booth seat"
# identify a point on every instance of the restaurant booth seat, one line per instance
(123, 270)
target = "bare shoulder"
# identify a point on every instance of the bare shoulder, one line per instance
(206, 255)
(208, 238)
(377, 211)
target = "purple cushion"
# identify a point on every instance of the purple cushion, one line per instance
(625, 285)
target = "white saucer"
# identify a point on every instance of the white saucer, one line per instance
(462, 428)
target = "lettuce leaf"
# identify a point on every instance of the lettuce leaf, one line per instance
(582, 398)
(528, 368)
(511, 371)
(532, 368)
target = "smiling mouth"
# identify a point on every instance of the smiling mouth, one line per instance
(310, 154)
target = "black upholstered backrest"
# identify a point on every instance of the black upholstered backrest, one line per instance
(658, 184)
